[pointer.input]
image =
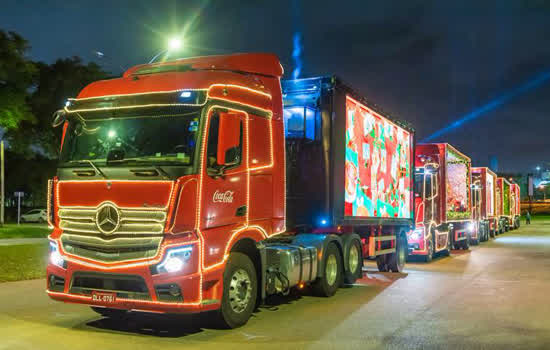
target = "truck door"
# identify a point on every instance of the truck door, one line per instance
(225, 173)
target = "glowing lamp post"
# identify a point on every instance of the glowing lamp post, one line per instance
(174, 44)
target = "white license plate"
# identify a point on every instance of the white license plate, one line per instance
(104, 297)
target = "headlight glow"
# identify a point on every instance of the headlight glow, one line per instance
(175, 259)
(416, 234)
(470, 227)
(55, 257)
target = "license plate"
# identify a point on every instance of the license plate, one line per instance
(104, 297)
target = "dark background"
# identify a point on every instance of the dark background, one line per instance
(427, 62)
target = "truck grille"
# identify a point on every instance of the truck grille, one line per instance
(111, 250)
(132, 221)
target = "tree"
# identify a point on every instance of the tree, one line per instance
(16, 78)
(54, 84)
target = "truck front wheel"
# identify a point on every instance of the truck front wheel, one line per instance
(240, 289)
(332, 266)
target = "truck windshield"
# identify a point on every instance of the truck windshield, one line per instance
(159, 140)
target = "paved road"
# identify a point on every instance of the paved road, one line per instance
(495, 297)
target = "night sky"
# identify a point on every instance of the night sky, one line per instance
(426, 62)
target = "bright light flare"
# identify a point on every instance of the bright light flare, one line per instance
(175, 44)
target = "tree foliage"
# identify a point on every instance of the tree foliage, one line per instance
(53, 85)
(16, 79)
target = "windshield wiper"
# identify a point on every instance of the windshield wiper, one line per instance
(159, 170)
(95, 167)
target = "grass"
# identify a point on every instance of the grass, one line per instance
(24, 231)
(23, 262)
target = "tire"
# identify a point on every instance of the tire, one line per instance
(447, 252)
(332, 267)
(354, 257)
(465, 244)
(240, 290)
(396, 260)
(382, 264)
(429, 257)
(110, 313)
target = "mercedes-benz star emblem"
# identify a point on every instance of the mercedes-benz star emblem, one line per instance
(107, 218)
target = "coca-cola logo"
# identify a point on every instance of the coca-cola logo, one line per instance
(223, 197)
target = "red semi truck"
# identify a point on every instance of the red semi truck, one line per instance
(483, 202)
(443, 210)
(186, 186)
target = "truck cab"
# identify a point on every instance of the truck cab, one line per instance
(442, 201)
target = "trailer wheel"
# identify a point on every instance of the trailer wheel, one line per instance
(396, 260)
(381, 263)
(354, 262)
(110, 313)
(240, 289)
(332, 267)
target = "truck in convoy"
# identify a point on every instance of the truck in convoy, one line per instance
(483, 202)
(185, 186)
(503, 201)
(443, 210)
(515, 204)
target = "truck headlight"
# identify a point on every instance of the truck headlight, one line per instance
(416, 234)
(175, 259)
(55, 257)
(470, 227)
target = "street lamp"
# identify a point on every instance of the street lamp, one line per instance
(174, 44)
(538, 168)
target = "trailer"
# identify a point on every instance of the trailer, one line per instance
(483, 201)
(503, 201)
(187, 186)
(442, 201)
(515, 203)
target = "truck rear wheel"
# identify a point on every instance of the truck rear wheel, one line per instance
(240, 289)
(396, 260)
(332, 268)
(354, 261)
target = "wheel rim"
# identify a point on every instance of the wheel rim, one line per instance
(353, 260)
(240, 290)
(331, 269)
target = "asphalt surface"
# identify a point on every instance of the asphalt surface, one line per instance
(496, 296)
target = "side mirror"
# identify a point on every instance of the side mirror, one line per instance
(59, 118)
(229, 139)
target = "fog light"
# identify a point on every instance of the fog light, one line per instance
(174, 290)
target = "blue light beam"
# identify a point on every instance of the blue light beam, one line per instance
(297, 55)
(491, 105)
